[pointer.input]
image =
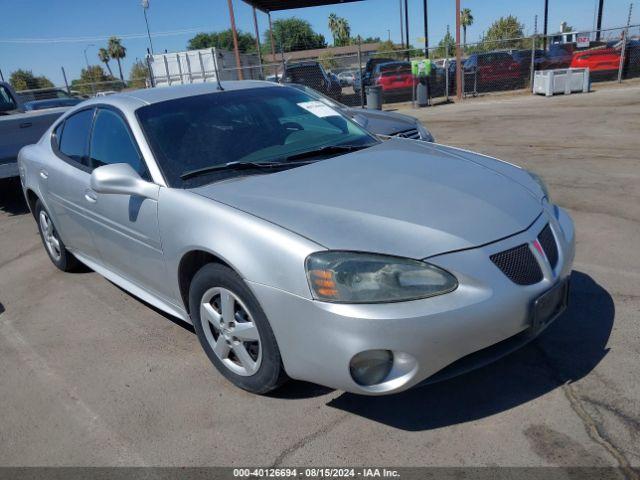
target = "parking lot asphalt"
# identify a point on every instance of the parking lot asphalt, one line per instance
(92, 376)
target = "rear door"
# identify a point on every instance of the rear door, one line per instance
(66, 181)
(127, 232)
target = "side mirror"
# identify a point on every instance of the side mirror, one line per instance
(121, 178)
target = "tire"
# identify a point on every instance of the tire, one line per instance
(213, 289)
(53, 244)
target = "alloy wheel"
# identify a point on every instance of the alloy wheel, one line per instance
(231, 331)
(50, 237)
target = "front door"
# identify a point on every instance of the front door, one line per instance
(127, 235)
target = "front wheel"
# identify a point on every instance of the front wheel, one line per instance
(234, 331)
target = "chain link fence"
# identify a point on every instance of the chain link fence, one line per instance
(345, 74)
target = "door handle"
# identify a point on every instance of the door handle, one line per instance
(25, 124)
(90, 196)
(44, 174)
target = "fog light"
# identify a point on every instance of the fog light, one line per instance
(371, 367)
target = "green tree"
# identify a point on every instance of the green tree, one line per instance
(117, 51)
(333, 26)
(103, 55)
(445, 46)
(26, 80)
(94, 79)
(293, 34)
(343, 31)
(328, 61)
(388, 50)
(502, 32)
(223, 40)
(138, 75)
(466, 20)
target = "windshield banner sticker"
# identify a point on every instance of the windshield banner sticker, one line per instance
(318, 108)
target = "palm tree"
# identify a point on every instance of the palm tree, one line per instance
(117, 52)
(103, 55)
(466, 20)
(333, 26)
(343, 31)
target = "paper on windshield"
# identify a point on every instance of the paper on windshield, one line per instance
(318, 108)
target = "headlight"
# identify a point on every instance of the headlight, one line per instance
(424, 133)
(353, 277)
(540, 182)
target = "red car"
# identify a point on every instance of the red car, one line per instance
(600, 60)
(395, 78)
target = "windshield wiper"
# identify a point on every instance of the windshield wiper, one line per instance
(328, 149)
(237, 166)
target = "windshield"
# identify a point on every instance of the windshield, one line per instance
(252, 125)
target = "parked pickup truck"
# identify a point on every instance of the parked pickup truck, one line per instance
(19, 127)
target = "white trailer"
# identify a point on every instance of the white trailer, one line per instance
(198, 66)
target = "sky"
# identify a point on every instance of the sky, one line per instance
(44, 36)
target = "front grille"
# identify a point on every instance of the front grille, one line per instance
(549, 246)
(412, 133)
(519, 265)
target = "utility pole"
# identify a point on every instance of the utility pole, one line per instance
(89, 73)
(599, 24)
(406, 25)
(544, 26)
(236, 50)
(426, 29)
(458, 54)
(401, 26)
(145, 6)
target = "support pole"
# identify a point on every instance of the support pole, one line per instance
(599, 24)
(255, 24)
(426, 29)
(458, 54)
(401, 26)
(406, 26)
(273, 48)
(544, 26)
(625, 34)
(236, 50)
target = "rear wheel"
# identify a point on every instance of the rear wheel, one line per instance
(58, 253)
(234, 331)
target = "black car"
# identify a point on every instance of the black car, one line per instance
(313, 75)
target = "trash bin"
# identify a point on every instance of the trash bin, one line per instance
(423, 93)
(374, 97)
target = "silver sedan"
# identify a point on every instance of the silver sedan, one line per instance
(298, 244)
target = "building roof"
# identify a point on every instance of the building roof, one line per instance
(315, 53)
(273, 5)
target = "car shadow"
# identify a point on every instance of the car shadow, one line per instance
(12, 200)
(567, 351)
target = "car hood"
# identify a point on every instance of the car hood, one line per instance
(400, 197)
(383, 123)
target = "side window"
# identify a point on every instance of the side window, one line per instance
(75, 137)
(112, 143)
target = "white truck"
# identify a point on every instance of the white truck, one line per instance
(198, 66)
(19, 128)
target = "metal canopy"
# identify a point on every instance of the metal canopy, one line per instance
(274, 5)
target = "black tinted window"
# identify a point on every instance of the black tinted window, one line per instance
(76, 135)
(6, 101)
(112, 143)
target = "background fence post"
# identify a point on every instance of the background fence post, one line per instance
(533, 62)
(360, 72)
(625, 34)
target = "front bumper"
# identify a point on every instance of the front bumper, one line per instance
(317, 340)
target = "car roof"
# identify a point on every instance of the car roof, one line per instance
(147, 96)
